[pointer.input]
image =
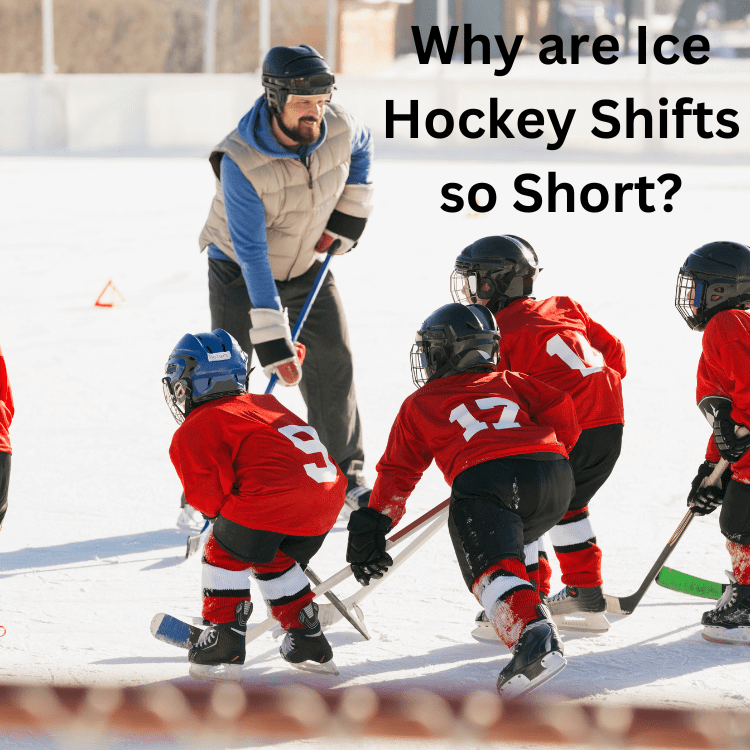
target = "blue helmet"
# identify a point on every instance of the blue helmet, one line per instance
(202, 367)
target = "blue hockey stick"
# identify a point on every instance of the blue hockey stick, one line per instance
(304, 312)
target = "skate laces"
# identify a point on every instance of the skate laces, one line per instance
(207, 637)
(728, 598)
(560, 596)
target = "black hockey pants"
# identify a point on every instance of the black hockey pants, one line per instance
(592, 459)
(498, 506)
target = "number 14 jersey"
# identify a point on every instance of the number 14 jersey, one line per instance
(557, 342)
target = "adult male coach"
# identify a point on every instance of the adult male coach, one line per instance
(292, 182)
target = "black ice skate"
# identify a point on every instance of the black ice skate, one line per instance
(307, 648)
(580, 609)
(220, 651)
(537, 657)
(729, 622)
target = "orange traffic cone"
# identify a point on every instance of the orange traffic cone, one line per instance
(110, 296)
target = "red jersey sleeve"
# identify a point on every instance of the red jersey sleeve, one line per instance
(7, 409)
(611, 347)
(724, 367)
(202, 453)
(405, 459)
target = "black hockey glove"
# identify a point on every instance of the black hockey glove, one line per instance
(366, 548)
(730, 446)
(705, 500)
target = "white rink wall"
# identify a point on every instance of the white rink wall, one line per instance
(187, 114)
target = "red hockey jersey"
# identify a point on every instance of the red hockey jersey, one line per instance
(463, 420)
(7, 410)
(557, 342)
(724, 370)
(284, 479)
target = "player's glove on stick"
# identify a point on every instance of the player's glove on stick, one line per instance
(730, 446)
(272, 339)
(705, 500)
(366, 548)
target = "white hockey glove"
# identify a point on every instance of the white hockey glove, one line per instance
(334, 244)
(272, 340)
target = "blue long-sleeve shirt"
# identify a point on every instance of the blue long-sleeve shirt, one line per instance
(245, 211)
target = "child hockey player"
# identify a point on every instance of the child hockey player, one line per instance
(6, 417)
(501, 440)
(713, 296)
(555, 341)
(270, 487)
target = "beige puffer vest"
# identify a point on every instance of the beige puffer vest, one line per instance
(298, 200)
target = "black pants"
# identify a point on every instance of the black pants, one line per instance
(498, 506)
(734, 520)
(4, 484)
(327, 384)
(592, 459)
(260, 546)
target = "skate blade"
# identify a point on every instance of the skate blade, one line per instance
(519, 684)
(739, 636)
(588, 623)
(217, 672)
(311, 666)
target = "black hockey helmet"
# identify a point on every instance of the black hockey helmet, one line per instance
(497, 269)
(300, 71)
(203, 367)
(453, 339)
(714, 277)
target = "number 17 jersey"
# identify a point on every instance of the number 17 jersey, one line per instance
(557, 342)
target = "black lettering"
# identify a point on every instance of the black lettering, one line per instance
(609, 119)
(491, 197)
(603, 197)
(429, 124)
(696, 43)
(411, 118)
(604, 44)
(452, 196)
(434, 39)
(528, 193)
(555, 53)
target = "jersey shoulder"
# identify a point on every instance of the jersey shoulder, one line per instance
(726, 326)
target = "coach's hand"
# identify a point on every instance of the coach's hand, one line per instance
(272, 340)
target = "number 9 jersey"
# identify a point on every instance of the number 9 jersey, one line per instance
(467, 419)
(557, 342)
(257, 464)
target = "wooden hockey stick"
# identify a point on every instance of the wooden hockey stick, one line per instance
(624, 605)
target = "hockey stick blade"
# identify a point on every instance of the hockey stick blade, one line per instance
(624, 605)
(352, 619)
(669, 578)
(195, 542)
(174, 631)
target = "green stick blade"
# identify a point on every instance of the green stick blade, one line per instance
(688, 584)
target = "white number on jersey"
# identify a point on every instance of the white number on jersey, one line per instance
(594, 360)
(472, 426)
(320, 474)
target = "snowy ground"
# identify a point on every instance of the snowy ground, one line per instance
(89, 551)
